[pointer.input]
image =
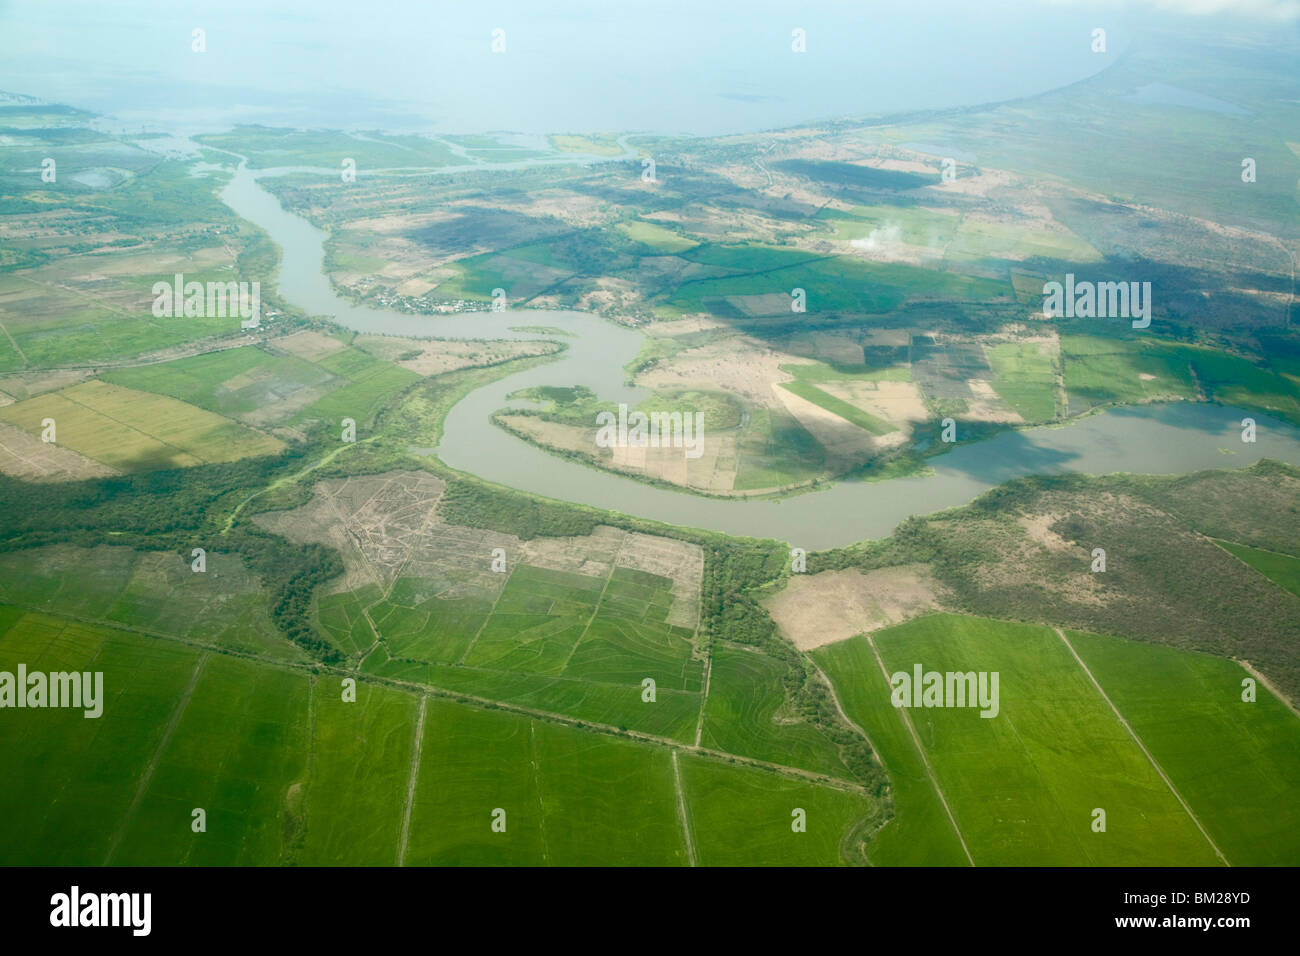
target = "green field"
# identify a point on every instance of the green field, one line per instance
(1023, 785)
(82, 774)
(570, 799)
(229, 382)
(1103, 370)
(1026, 379)
(560, 623)
(56, 326)
(920, 833)
(1282, 569)
(151, 590)
(1237, 764)
(673, 714)
(656, 237)
(371, 382)
(776, 450)
(741, 817)
(345, 810)
(288, 772)
(764, 277)
(138, 431)
(746, 703)
(562, 642)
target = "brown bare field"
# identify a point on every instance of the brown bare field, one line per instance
(714, 471)
(847, 445)
(741, 366)
(438, 356)
(817, 609)
(310, 345)
(670, 558)
(25, 456)
(23, 385)
(387, 526)
(899, 403)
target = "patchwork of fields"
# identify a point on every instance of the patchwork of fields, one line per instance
(570, 626)
(288, 772)
(137, 431)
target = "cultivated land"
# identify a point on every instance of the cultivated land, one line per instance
(134, 431)
(289, 773)
(1022, 787)
(539, 683)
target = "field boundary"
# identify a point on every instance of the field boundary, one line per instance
(177, 713)
(1143, 747)
(682, 814)
(920, 749)
(412, 781)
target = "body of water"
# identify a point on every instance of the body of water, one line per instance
(1152, 439)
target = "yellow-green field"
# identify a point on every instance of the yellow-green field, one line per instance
(138, 431)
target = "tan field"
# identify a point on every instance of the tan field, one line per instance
(899, 403)
(714, 471)
(847, 445)
(27, 457)
(739, 365)
(134, 431)
(387, 526)
(817, 609)
(438, 356)
(309, 345)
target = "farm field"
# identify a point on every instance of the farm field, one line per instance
(1023, 785)
(53, 323)
(837, 406)
(1105, 370)
(920, 833)
(1235, 763)
(1026, 379)
(149, 590)
(742, 817)
(82, 773)
(564, 642)
(1282, 569)
(346, 807)
(743, 715)
(288, 772)
(138, 431)
(249, 382)
(673, 714)
(370, 382)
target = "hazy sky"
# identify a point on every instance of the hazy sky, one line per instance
(705, 66)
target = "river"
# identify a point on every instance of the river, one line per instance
(1174, 438)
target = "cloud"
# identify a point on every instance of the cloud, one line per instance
(1253, 9)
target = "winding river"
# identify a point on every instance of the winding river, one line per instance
(1173, 438)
